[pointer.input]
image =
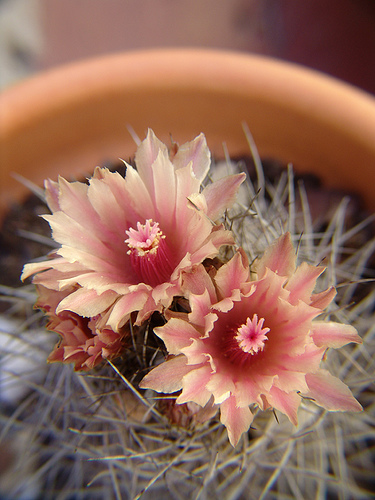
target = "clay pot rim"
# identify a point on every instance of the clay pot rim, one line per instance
(266, 90)
(191, 69)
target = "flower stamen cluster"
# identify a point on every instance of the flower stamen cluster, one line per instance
(150, 256)
(252, 336)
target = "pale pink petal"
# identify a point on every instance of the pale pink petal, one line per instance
(197, 281)
(130, 192)
(323, 299)
(98, 281)
(87, 303)
(302, 283)
(164, 189)
(232, 274)
(289, 381)
(249, 388)
(49, 299)
(145, 156)
(165, 292)
(36, 267)
(198, 202)
(68, 231)
(331, 334)
(287, 403)
(280, 257)
(75, 205)
(52, 194)
(221, 386)
(176, 335)
(330, 393)
(194, 386)
(99, 263)
(203, 414)
(133, 301)
(198, 231)
(209, 249)
(221, 195)
(200, 308)
(196, 353)
(236, 420)
(187, 185)
(195, 153)
(308, 360)
(166, 377)
(110, 212)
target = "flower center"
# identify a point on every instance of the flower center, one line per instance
(251, 335)
(149, 253)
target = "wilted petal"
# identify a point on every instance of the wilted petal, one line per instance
(330, 392)
(331, 334)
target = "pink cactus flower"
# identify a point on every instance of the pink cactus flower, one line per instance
(84, 342)
(124, 242)
(253, 343)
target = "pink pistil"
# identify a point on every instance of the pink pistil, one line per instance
(149, 253)
(251, 336)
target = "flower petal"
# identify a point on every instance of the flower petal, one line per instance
(197, 153)
(176, 334)
(52, 194)
(286, 402)
(86, 303)
(236, 420)
(166, 377)
(330, 393)
(280, 257)
(194, 386)
(133, 301)
(145, 156)
(302, 282)
(196, 282)
(164, 189)
(331, 334)
(323, 299)
(221, 194)
(233, 274)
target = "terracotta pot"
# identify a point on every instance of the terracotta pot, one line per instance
(70, 119)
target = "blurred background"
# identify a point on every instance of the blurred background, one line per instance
(335, 36)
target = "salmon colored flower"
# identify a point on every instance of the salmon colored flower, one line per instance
(254, 342)
(85, 342)
(124, 241)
